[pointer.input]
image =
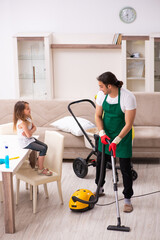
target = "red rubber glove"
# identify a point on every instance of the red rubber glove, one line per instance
(103, 139)
(113, 147)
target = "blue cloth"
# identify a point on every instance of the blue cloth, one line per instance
(1, 161)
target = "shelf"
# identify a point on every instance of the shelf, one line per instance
(157, 39)
(157, 59)
(157, 78)
(136, 78)
(30, 38)
(135, 38)
(30, 76)
(29, 57)
(85, 46)
(136, 59)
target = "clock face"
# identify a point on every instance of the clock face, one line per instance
(127, 15)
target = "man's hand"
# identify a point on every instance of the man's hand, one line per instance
(113, 147)
(103, 139)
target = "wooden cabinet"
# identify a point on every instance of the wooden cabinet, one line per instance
(135, 61)
(33, 64)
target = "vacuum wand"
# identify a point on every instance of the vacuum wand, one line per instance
(117, 227)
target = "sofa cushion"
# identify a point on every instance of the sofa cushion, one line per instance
(148, 113)
(68, 124)
(147, 136)
(69, 139)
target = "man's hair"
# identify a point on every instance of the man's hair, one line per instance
(109, 78)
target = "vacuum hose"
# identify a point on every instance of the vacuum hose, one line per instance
(99, 182)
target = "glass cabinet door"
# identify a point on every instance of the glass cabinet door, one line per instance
(157, 65)
(31, 66)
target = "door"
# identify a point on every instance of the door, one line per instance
(31, 66)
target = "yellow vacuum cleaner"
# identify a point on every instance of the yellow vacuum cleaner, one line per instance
(84, 199)
(79, 202)
(84, 194)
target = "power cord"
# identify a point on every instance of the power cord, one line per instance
(142, 195)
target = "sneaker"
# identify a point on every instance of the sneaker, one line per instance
(128, 208)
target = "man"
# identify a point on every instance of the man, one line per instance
(115, 113)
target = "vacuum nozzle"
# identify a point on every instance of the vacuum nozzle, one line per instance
(118, 228)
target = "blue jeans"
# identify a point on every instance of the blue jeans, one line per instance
(38, 146)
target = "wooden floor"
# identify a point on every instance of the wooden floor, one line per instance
(56, 221)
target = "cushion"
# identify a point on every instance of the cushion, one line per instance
(70, 141)
(68, 124)
(146, 136)
(147, 113)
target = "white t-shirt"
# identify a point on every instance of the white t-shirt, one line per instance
(23, 140)
(127, 99)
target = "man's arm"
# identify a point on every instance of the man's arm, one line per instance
(98, 117)
(129, 119)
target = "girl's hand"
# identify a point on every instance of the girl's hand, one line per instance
(33, 128)
(24, 134)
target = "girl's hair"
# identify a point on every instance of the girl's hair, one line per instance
(19, 112)
(109, 78)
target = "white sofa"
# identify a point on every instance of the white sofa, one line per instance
(147, 123)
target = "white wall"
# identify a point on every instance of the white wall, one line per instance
(75, 70)
(68, 17)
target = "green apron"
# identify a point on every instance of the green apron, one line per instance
(114, 121)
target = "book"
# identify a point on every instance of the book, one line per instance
(115, 38)
(119, 40)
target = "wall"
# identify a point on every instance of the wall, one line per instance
(99, 17)
(75, 70)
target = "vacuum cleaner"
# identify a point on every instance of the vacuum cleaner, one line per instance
(93, 199)
(78, 206)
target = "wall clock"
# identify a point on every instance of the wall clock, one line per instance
(127, 14)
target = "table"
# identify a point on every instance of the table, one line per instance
(7, 176)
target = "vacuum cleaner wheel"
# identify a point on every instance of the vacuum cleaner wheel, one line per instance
(80, 167)
(134, 175)
(91, 199)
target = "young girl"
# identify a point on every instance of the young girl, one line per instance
(25, 128)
